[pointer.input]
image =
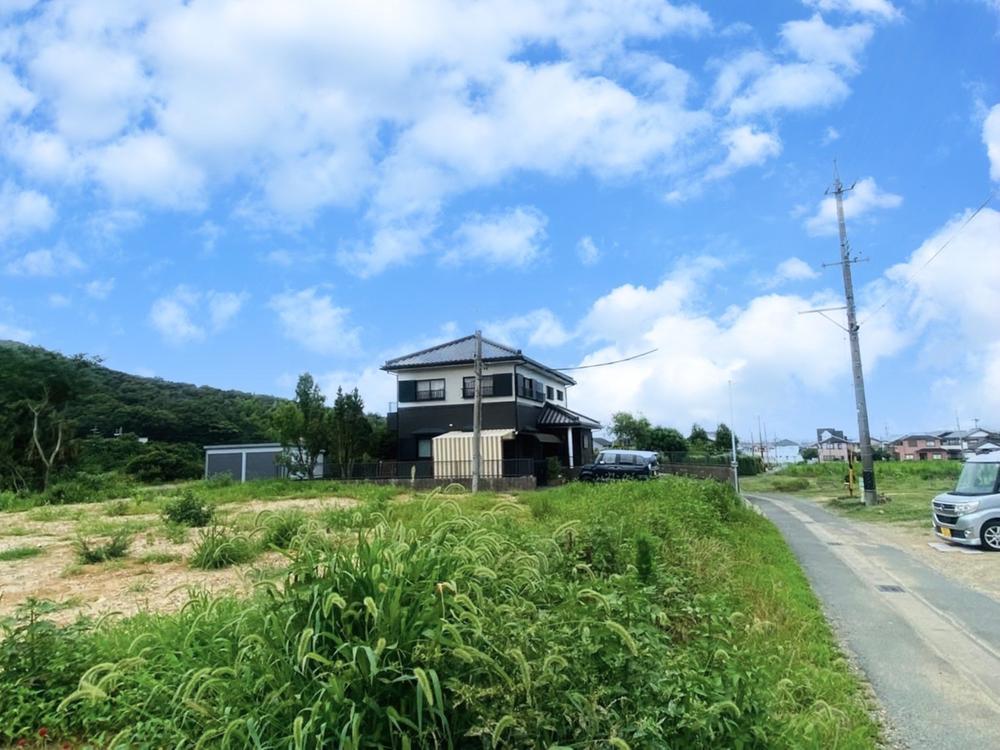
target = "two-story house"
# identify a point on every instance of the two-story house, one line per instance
(832, 445)
(920, 446)
(525, 413)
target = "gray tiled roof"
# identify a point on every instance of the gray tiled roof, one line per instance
(559, 416)
(463, 351)
(459, 350)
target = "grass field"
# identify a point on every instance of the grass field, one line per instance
(660, 614)
(908, 486)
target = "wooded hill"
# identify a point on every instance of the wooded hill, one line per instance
(100, 401)
(59, 417)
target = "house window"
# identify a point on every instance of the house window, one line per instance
(469, 386)
(931, 444)
(430, 390)
(912, 443)
(424, 447)
(559, 395)
(550, 392)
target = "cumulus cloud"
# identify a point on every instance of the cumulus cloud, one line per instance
(512, 239)
(13, 332)
(99, 288)
(991, 137)
(816, 41)
(59, 300)
(49, 262)
(23, 211)
(187, 314)
(866, 198)
(746, 147)
(790, 269)
(881, 9)
(587, 251)
(538, 328)
(312, 320)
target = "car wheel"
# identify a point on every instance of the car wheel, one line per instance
(989, 535)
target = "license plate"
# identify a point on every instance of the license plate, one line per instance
(945, 532)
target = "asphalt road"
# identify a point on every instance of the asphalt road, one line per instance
(929, 646)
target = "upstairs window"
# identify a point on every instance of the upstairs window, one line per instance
(469, 386)
(550, 392)
(559, 395)
(430, 390)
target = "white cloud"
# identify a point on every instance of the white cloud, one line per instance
(223, 307)
(23, 211)
(171, 315)
(14, 98)
(377, 388)
(9, 331)
(865, 198)
(538, 328)
(882, 9)
(790, 269)
(746, 147)
(791, 86)
(147, 168)
(587, 251)
(59, 300)
(53, 262)
(507, 240)
(830, 135)
(178, 315)
(991, 137)
(814, 40)
(100, 288)
(312, 320)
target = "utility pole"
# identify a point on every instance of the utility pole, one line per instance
(867, 464)
(477, 413)
(732, 435)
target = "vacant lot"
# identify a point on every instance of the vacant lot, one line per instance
(908, 487)
(644, 615)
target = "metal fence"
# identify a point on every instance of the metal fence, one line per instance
(429, 469)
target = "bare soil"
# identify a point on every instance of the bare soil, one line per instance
(131, 584)
(979, 572)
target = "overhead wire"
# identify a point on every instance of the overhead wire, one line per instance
(937, 252)
(605, 364)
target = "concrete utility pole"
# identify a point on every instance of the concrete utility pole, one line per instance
(732, 435)
(867, 465)
(477, 413)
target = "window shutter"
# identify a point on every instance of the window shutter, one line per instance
(407, 391)
(502, 384)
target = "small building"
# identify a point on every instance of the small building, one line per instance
(785, 452)
(922, 446)
(832, 445)
(245, 462)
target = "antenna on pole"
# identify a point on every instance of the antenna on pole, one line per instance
(864, 435)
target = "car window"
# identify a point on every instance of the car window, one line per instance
(605, 458)
(627, 459)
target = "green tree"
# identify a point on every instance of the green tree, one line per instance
(724, 438)
(629, 431)
(698, 439)
(809, 454)
(303, 427)
(667, 440)
(351, 433)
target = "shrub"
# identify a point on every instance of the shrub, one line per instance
(187, 509)
(790, 484)
(166, 463)
(219, 548)
(89, 488)
(220, 480)
(541, 505)
(279, 529)
(89, 552)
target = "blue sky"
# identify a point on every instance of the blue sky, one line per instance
(231, 193)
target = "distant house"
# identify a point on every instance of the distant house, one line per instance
(785, 452)
(920, 446)
(601, 443)
(832, 445)
(525, 418)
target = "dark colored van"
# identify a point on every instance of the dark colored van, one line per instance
(621, 464)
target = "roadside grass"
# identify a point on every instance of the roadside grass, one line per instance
(19, 553)
(659, 614)
(908, 486)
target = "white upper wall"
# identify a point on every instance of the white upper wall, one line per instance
(453, 377)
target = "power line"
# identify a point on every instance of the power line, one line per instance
(931, 259)
(605, 364)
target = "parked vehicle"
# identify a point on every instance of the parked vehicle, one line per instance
(970, 513)
(621, 464)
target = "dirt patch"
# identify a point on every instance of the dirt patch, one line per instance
(978, 572)
(309, 504)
